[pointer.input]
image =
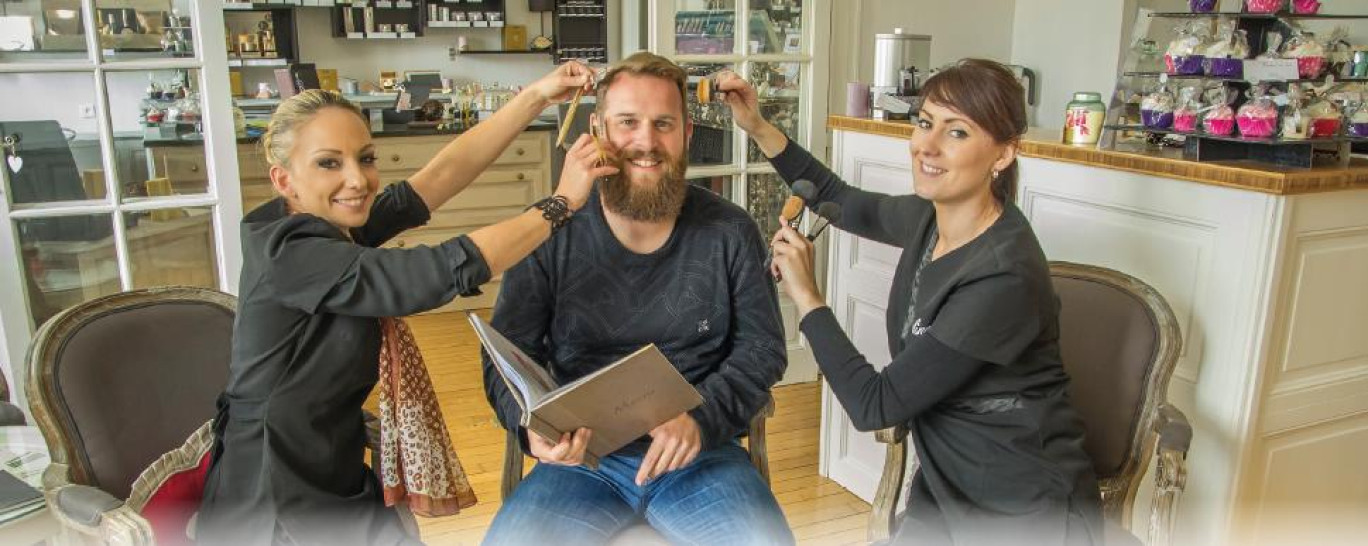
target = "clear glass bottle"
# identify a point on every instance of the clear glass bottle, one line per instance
(1083, 118)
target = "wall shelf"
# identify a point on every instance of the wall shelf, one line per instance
(1242, 15)
(1137, 78)
(504, 52)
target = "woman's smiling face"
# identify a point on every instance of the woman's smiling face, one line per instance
(331, 172)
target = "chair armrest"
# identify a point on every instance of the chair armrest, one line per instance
(882, 513)
(84, 504)
(891, 435)
(756, 443)
(1170, 476)
(11, 415)
(512, 463)
(1174, 431)
(94, 512)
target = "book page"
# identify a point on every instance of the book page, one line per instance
(524, 375)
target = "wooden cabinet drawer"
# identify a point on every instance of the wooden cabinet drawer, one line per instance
(427, 235)
(184, 167)
(255, 192)
(501, 187)
(407, 153)
(412, 153)
(527, 148)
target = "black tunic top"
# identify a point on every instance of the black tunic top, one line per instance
(976, 375)
(583, 300)
(289, 462)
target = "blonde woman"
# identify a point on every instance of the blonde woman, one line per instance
(315, 289)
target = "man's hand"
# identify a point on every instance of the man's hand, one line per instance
(674, 444)
(582, 167)
(569, 452)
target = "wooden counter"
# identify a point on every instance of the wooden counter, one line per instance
(1247, 175)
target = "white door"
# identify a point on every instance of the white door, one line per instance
(860, 275)
(120, 168)
(771, 43)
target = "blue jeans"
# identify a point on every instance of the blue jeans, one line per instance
(718, 499)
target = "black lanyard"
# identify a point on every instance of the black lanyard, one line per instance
(931, 237)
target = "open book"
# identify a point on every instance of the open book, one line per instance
(620, 402)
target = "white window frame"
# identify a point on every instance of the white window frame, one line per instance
(812, 132)
(223, 195)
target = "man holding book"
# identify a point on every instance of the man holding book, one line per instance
(649, 259)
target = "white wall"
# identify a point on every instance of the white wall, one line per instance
(1073, 45)
(963, 28)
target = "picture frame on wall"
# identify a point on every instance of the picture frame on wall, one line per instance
(793, 42)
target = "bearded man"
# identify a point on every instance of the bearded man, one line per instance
(649, 259)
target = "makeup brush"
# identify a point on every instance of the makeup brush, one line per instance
(569, 117)
(793, 211)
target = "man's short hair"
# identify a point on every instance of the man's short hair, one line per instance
(645, 63)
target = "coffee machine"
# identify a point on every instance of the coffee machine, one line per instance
(901, 61)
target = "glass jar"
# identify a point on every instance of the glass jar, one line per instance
(1083, 118)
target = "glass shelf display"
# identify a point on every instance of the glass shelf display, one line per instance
(1214, 56)
(778, 86)
(776, 26)
(714, 135)
(705, 27)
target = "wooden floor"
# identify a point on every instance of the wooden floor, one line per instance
(819, 510)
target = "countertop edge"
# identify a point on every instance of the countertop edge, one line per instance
(1040, 144)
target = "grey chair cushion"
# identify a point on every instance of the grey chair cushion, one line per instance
(137, 381)
(85, 505)
(1108, 341)
(11, 415)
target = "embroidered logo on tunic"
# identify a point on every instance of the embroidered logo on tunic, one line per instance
(703, 326)
(918, 329)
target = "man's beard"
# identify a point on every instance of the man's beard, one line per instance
(642, 204)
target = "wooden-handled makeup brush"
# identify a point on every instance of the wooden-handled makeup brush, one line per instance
(569, 117)
(793, 211)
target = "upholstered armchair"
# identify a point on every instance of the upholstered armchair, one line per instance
(642, 533)
(122, 388)
(1120, 343)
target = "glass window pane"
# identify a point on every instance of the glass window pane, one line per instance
(42, 31)
(55, 154)
(778, 85)
(172, 247)
(776, 26)
(704, 27)
(159, 147)
(720, 185)
(713, 132)
(765, 196)
(142, 29)
(67, 260)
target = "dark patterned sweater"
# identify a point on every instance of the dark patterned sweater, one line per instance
(583, 300)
